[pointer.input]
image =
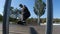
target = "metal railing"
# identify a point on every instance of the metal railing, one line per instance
(6, 17)
(49, 6)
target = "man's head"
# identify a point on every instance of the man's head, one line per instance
(21, 5)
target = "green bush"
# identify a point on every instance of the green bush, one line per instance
(1, 17)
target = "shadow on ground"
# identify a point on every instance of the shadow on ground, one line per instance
(33, 31)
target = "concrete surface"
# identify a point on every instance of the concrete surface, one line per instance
(20, 29)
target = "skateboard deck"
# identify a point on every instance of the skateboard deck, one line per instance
(21, 22)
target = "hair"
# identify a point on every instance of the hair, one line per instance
(21, 5)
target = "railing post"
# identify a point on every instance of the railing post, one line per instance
(49, 17)
(6, 17)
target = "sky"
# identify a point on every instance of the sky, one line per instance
(30, 5)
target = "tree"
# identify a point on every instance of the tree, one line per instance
(11, 10)
(1, 17)
(14, 12)
(39, 9)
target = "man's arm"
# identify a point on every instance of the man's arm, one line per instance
(23, 9)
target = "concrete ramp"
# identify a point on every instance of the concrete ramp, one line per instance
(21, 29)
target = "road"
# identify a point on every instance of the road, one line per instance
(20, 29)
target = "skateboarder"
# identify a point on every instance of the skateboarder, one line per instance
(25, 12)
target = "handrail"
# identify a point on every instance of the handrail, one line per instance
(49, 7)
(6, 17)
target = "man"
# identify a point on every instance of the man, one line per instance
(25, 12)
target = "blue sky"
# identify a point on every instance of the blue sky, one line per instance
(30, 4)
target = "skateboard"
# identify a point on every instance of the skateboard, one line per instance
(21, 22)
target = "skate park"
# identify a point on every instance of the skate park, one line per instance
(39, 28)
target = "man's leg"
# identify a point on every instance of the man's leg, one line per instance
(20, 19)
(25, 17)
